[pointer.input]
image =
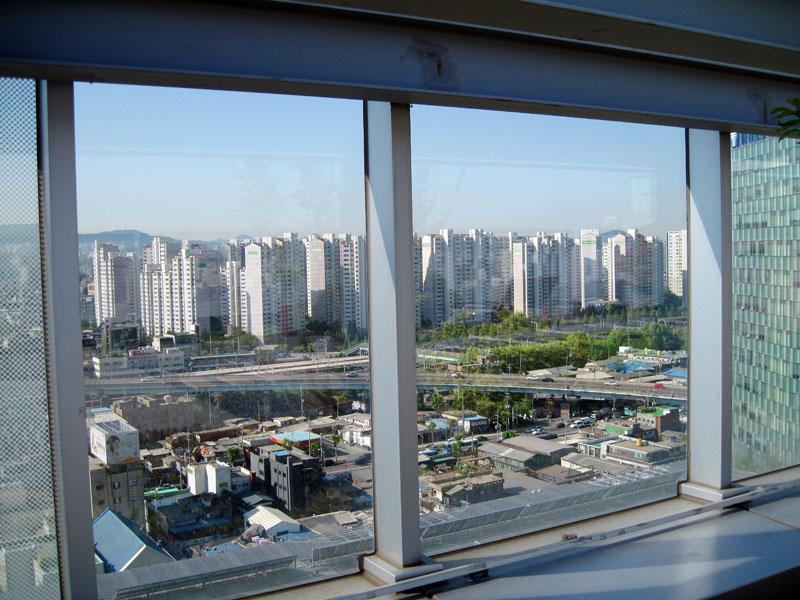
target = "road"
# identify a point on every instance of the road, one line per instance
(260, 380)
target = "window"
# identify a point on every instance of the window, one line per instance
(659, 92)
(544, 289)
(207, 288)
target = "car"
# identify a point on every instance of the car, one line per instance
(560, 425)
(352, 374)
(147, 379)
(363, 459)
(482, 438)
(611, 383)
(547, 380)
(329, 462)
(457, 375)
(534, 377)
(538, 431)
(659, 385)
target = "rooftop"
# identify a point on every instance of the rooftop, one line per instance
(118, 540)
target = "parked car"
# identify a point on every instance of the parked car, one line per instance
(560, 425)
(538, 431)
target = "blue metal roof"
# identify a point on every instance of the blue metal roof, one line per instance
(629, 366)
(475, 418)
(296, 436)
(681, 373)
(118, 539)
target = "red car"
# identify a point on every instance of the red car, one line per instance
(659, 385)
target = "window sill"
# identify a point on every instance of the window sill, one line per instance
(635, 580)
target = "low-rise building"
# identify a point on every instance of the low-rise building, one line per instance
(290, 474)
(121, 544)
(271, 521)
(157, 415)
(660, 418)
(141, 362)
(453, 489)
(634, 451)
(118, 487)
(209, 477)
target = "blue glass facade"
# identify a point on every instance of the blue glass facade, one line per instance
(765, 190)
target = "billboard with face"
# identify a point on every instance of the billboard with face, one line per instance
(114, 442)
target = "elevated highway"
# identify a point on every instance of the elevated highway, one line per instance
(243, 381)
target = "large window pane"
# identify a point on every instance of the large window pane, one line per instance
(765, 189)
(550, 263)
(223, 274)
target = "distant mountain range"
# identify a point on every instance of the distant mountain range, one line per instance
(131, 240)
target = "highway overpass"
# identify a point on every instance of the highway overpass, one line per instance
(221, 381)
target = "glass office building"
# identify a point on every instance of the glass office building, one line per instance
(765, 212)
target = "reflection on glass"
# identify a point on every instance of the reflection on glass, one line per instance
(765, 189)
(550, 269)
(225, 340)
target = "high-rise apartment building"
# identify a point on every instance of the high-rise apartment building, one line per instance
(765, 212)
(182, 290)
(435, 297)
(336, 278)
(116, 277)
(321, 280)
(591, 268)
(633, 267)
(273, 286)
(677, 262)
(545, 276)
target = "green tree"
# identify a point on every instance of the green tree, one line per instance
(313, 449)
(336, 439)
(234, 453)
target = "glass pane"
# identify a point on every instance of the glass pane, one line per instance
(28, 550)
(765, 191)
(225, 359)
(550, 270)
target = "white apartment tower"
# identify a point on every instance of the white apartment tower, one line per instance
(180, 290)
(591, 269)
(273, 286)
(435, 301)
(116, 277)
(544, 275)
(634, 269)
(677, 262)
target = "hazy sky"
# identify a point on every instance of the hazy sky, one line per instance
(204, 164)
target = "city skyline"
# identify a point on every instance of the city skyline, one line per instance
(185, 163)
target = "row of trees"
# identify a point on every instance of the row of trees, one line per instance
(578, 348)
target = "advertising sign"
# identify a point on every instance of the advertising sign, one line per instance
(565, 411)
(114, 442)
